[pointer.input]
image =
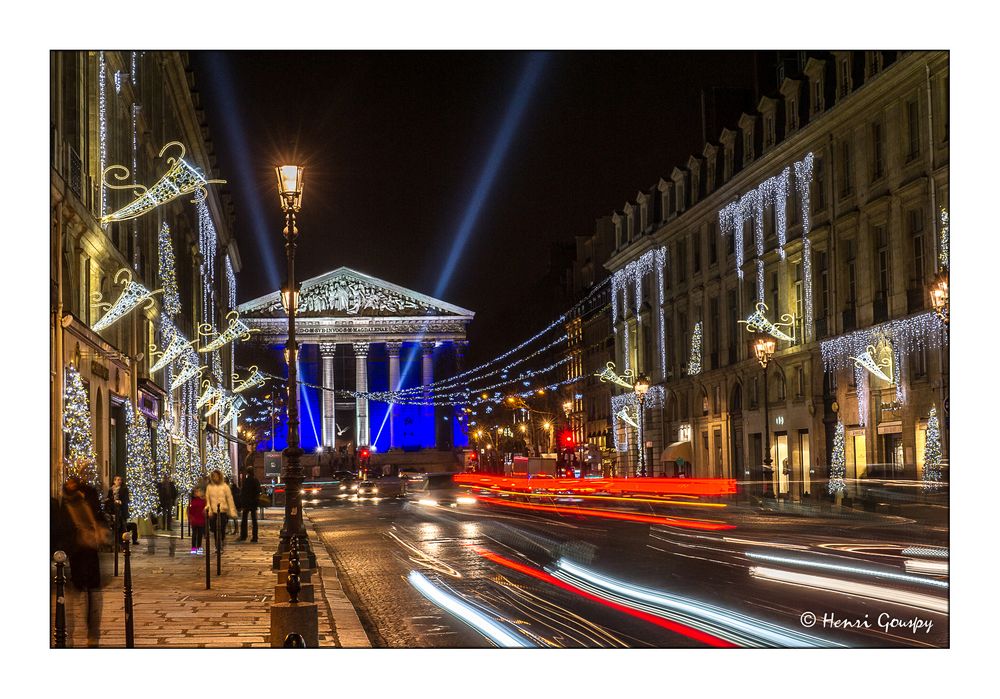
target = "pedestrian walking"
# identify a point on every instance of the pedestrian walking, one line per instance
(196, 520)
(83, 534)
(219, 505)
(167, 492)
(117, 504)
(235, 489)
(249, 501)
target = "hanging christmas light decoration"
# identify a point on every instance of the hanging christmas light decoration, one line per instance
(237, 330)
(609, 375)
(758, 322)
(102, 123)
(868, 361)
(255, 379)
(222, 403)
(132, 295)
(208, 394)
(624, 415)
(230, 283)
(175, 349)
(803, 179)
(838, 462)
(81, 461)
(694, 364)
(234, 410)
(179, 180)
(655, 398)
(904, 335)
(188, 371)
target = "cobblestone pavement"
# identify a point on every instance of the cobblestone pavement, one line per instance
(172, 608)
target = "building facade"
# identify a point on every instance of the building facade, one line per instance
(109, 238)
(825, 211)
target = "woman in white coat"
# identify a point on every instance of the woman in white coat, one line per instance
(219, 504)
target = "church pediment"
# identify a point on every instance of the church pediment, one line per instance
(345, 293)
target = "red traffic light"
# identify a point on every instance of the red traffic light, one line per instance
(474, 456)
(567, 439)
(365, 452)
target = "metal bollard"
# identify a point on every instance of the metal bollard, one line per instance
(60, 636)
(180, 515)
(218, 539)
(208, 557)
(127, 591)
(293, 585)
(294, 640)
(114, 525)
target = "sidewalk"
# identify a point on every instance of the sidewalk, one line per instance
(172, 608)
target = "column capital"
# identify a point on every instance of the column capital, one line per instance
(360, 349)
(393, 348)
(327, 349)
(427, 347)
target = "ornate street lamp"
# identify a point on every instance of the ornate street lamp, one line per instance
(641, 388)
(939, 297)
(763, 349)
(290, 194)
(290, 298)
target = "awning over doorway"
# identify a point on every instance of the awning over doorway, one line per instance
(677, 450)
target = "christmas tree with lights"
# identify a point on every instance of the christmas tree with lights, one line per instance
(168, 275)
(932, 449)
(838, 462)
(139, 474)
(82, 460)
(162, 450)
(218, 458)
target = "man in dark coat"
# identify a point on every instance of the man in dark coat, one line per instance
(167, 492)
(82, 533)
(249, 494)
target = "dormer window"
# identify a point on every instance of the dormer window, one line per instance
(843, 76)
(873, 63)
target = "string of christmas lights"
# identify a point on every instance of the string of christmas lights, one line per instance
(163, 466)
(655, 398)
(944, 256)
(81, 461)
(803, 180)
(102, 121)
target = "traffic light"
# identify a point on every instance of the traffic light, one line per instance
(364, 453)
(567, 440)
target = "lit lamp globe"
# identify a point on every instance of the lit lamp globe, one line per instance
(289, 186)
(641, 385)
(763, 349)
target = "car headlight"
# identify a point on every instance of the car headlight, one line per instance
(343, 487)
(464, 500)
(374, 490)
(427, 501)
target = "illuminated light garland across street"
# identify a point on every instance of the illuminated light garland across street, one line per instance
(237, 330)
(179, 180)
(609, 375)
(234, 410)
(174, 349)
(655, 398)
(222, 403)
(132, 295)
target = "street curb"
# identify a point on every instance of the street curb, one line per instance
(347, 626)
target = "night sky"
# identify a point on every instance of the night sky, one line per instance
(395, 145)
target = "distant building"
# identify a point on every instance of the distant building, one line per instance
(853, 149)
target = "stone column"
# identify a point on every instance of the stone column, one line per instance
(393, 348)
(327, 351)
(427, 378)
(361, 385)
(460, 347)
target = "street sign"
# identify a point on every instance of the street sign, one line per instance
(272, 464)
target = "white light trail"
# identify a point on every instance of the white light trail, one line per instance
(849, 569)
(490, 628)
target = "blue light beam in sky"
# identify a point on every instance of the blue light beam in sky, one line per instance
(498, 152)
